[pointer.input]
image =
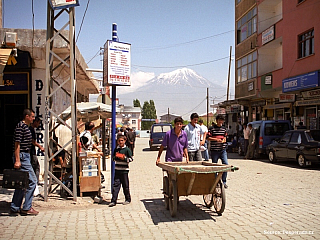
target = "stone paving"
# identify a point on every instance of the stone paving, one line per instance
(264, 201)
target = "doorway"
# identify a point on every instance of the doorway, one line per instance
(11, 110)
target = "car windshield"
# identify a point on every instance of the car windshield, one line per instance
(163, 128)
(272, 129)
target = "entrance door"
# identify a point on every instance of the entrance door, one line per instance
(11, 109)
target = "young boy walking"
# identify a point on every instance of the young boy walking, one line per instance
(122, 155)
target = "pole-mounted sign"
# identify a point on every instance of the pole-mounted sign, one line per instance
(118, 59)
(61, 4)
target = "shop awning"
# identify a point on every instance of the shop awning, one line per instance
(4, 56)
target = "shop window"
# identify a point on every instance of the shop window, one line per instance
(306, 44)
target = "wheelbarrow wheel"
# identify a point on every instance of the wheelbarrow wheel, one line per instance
(173, 198)
(219, 198)
(208, 200)
(166, 191)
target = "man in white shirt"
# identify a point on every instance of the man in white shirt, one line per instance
(203, 141)
(86, 138)
(193, 131)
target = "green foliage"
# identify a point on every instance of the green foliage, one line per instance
(148, 112)
(136, 103)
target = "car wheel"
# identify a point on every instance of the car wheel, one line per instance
(240, 151)
(301, 160)
(272, 157)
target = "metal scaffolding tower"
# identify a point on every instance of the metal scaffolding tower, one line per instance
(52, 69)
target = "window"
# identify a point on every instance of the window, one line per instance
(247, 25)
(247, 67)
(296, 138)
(134, 121)
(273, 129)
(306, 44)
(285, 138)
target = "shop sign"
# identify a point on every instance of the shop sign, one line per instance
(308, 102)
(259, 103)
(311, 94)
(286, 97)
(304, 81)
(228, 109)
(268, 80)
(250, 86)
(268, 35)
(15, 82)
(221, 110)
(235, 108)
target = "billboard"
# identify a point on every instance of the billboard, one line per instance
(117, 63)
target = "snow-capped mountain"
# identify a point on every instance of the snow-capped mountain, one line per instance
(183, 76)
(182, 91)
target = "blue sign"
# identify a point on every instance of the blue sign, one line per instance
(308, 80)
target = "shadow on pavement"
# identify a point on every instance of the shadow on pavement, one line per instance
(187, 211)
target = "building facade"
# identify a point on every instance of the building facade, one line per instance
(22, 84)
(277, 61)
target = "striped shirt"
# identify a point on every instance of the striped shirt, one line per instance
(217, 132)
(22, 134)
(122, 165)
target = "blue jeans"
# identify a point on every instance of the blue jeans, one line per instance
(215, 155)
(205, 153)
(19, 193)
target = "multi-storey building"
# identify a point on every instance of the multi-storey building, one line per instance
(277, 61)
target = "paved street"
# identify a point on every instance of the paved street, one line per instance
(264, 201)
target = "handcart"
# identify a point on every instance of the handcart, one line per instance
(194, 178)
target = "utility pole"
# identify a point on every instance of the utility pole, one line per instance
(168, 116)
(207, 107)
(229, 73)
(113, 125)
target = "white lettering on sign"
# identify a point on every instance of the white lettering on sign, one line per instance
(291, 84)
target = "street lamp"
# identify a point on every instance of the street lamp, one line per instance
(62, 4)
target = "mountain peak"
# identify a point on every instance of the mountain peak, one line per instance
(182, 76)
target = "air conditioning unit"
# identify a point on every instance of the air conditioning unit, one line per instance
(10, 39)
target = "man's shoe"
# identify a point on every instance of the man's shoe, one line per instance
(126, 203)
(31, 211)
(14, 213)
(112, 204)
(225, 185)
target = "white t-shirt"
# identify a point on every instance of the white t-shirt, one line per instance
(193, 134)
(204, 130)
(89, 144)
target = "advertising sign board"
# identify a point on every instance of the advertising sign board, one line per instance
(117, 63)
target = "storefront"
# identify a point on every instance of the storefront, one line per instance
(307, 107)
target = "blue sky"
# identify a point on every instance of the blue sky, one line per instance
(164, 35)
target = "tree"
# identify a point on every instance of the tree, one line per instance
(148, 112)
(136, 103)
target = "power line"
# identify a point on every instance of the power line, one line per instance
(190, 65)
(83, 20)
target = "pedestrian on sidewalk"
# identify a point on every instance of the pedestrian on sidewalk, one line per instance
(22, 140)
(252, 142)
(122, 156)
(194, 131)
(246, 132)
(217, 135)
(176, 142)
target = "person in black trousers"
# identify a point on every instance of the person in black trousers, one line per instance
(122, 155)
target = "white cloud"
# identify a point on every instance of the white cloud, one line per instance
(138, 79)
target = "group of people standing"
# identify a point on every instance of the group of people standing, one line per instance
(187, 143)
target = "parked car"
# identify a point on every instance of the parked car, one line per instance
(157, 133)
(297, 145)
(266, 132)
